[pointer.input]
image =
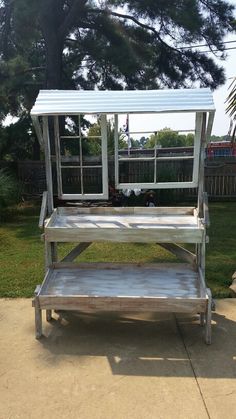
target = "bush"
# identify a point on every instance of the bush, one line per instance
(9, 189)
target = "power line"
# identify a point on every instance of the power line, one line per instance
(206, 45)
(217, 50)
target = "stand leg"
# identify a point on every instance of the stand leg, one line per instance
(48, 315)
(202, 319)
(208, 319)
(38, 321)
(38, 314)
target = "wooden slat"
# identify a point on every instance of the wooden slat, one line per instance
(206, 210)
(126, 210)
(165, 235)
(180, 252)
(124, 304)
(126, 224)
(107, 286)
(76, 252)
(48, 165)
(43, 211)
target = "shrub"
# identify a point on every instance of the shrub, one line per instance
(9, 189)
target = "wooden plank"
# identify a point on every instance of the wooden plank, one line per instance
(76, 252)
(116, 151)
(38, 314)
(105, 190)
(43, 211)
(202, 283)
(129, 281)
(211, 116)
(170, 158)
(175, 267)
(99, 224)
(126, 210)
(208, 319)
(85, 197)
(206, 217)
(48, 165)
(148, 235)
(197, 146)
(158, 185)
(124, 304)
(201, 166)
(180, 252)
(58, 155)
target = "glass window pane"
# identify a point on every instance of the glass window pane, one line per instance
(71, 181)
(136, 171)
(174, 170)
(92, 180)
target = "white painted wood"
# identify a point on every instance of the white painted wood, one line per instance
(208, 318)
(75, 252)
(43, 211)
(164, 287)
(48, 165)
(116, 150)
(180, 252)
(104, 157)
(88, 197)
(158, 211)
(206, 218)
(158, 185)
(38, 313)
(211, 116)
(197, 145)
(170, 158)
(48, 315)
(58, 155)
(123, 226)
(38, 130)
(201, 180)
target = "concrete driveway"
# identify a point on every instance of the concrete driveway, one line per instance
(116, 366)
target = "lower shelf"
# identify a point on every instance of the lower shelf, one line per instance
(123, 287)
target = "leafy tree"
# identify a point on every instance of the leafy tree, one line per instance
(18, 141)
(95, 130)
(169, 138)
(108, 44)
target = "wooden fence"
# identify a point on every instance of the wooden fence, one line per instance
(220, 180)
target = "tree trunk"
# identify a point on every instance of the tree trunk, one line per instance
(53, 76)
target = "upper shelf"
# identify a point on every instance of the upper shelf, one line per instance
(140, 224)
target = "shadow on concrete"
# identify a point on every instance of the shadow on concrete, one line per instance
(145, 345)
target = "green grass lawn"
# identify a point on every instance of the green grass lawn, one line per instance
(22, 252)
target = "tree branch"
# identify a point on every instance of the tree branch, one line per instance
(142, 25)
(76, 7)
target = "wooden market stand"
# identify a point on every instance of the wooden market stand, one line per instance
(173, 287)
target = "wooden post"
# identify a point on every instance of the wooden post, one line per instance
(58, 155)
(208, 318)
(38, 314)
(104, 156)
(48, 164)
(48, 315)
(116, 151)
(201, 165)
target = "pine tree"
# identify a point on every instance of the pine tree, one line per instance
(110, 44)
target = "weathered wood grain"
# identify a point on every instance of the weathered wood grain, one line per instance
(125, 225)
(130, 287)
(180, 252)
(43, 211)
(76, 252)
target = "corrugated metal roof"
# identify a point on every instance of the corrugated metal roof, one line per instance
(68, 102)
